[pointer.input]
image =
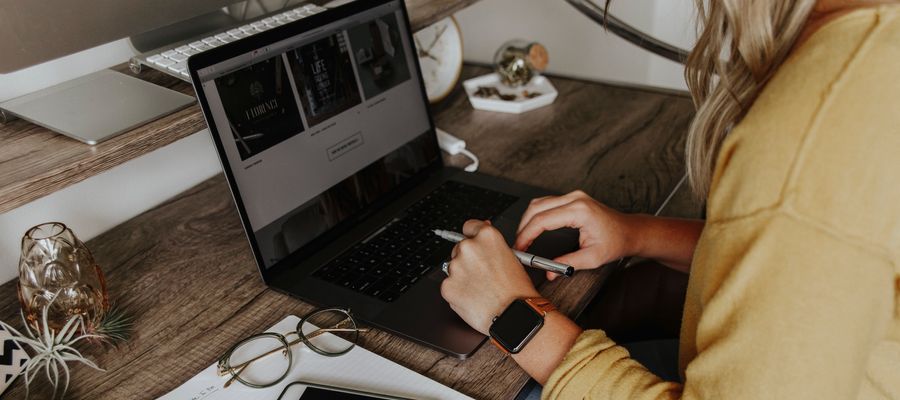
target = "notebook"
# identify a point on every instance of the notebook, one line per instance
(359, 369)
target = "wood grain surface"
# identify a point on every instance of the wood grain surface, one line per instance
(185, 271)
(35, 161)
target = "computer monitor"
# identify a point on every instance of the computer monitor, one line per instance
(101, 105)
(34, 32)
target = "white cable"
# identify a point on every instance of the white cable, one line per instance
(671, 195)
(454, 145)
(474, 165)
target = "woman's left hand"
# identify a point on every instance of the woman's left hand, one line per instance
(485, 276)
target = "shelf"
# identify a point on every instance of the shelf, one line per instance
(35, 162)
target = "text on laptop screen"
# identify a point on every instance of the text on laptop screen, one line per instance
(318, 126)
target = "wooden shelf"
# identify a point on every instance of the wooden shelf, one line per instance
(35, 161)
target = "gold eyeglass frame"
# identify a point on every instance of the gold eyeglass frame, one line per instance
(224, 367)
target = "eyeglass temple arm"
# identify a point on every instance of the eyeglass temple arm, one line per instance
(235, 375)
(629, 33)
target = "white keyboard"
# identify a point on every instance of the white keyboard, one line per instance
(173, 61)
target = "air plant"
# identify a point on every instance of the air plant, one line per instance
(52, 350)
(115, 327)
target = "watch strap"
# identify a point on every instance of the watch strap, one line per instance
(540, 304)
(499, 346)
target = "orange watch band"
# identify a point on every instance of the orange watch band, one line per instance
(499, 346)
(539, 304)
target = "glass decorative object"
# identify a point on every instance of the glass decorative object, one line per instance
(56, 269)
(518, 61)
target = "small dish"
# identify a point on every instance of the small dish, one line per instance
(540, 85)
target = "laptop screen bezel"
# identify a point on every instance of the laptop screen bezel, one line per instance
(240, 47)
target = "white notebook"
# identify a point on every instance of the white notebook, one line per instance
(359, 369)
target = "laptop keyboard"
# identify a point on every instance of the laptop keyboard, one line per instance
(390, 261)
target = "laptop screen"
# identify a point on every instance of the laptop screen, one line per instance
(316, 127)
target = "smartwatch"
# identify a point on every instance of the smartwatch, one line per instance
(514, 328)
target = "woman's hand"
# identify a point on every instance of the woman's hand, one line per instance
(485, 276)
(603, 234)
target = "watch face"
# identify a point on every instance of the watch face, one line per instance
(515, 327)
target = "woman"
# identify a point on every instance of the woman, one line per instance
(794, 287)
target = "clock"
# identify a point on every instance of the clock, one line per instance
(439, 48)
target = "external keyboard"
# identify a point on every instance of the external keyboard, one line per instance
(173, 60)
(394, 258)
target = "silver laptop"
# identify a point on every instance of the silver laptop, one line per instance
(330, 152)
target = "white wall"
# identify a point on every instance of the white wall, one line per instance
(675, 22)
(577, 46)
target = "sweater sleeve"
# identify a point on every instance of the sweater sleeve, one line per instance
(789, 311)
(598, 368)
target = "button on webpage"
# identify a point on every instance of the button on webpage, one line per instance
(344, 146)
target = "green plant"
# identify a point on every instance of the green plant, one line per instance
(52, 350)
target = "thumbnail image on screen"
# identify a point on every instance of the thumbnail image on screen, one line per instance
(379, 54)
(324, 76)
(260, 107)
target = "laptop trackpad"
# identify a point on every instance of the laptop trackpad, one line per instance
(424, 315)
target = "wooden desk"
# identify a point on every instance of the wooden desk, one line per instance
(185, 271)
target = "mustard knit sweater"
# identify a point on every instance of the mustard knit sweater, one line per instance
(794, 290)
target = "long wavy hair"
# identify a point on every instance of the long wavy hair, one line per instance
(740, 45)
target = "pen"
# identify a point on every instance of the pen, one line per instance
(528, 260)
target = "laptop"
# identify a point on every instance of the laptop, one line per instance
(335, 169)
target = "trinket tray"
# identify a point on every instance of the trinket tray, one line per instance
(540, 88)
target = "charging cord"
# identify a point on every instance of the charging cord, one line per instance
(454, 145)
(474, 165)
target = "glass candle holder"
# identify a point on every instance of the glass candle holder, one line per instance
(519, 61)
(56, 269)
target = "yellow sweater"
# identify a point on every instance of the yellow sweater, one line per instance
(794, 290)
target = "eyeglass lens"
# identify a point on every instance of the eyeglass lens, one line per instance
(253, 370)
(342, 332)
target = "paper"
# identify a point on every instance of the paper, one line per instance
(359, 369)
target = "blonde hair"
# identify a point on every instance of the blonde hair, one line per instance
(754, 37)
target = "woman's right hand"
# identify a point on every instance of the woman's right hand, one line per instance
(603, 233)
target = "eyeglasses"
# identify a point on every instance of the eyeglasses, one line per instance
(254, 361)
